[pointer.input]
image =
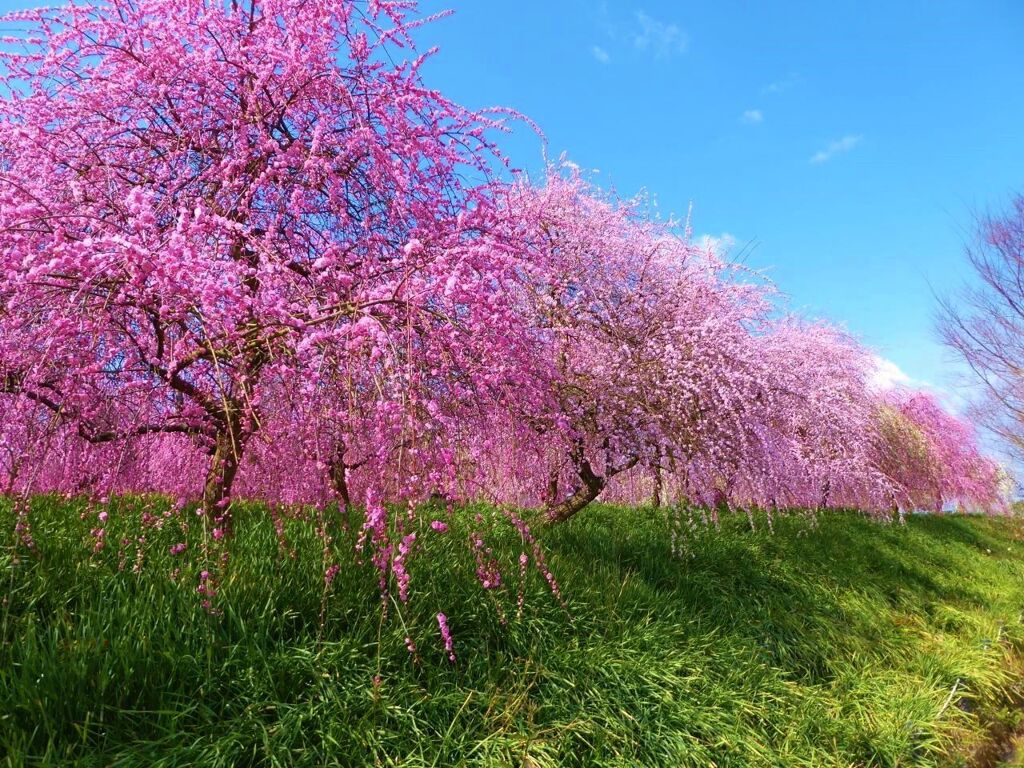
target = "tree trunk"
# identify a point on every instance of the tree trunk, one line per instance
(656, 495)
(592, 486)
(339, 481)
(552, 495)
(220, 477)
(338, 470)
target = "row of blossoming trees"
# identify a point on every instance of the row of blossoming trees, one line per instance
(246, 254)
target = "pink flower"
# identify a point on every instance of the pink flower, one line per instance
(446, 635)
(330, 574)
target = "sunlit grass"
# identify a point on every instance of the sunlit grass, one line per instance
(832, 646)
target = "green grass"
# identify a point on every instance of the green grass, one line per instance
(832, 646)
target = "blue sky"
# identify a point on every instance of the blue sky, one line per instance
(853, 142)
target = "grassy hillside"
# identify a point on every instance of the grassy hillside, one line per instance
(848, 644)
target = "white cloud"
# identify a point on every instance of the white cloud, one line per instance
(663, 39)
(752, 117)
(718, 244)
(600, 54)
(887, 375)
(837, 147)
(604, 21)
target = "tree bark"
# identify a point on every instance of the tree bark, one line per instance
(338, 470)
(220, 477)
(591, 488)
(658, 482)
(552, 495)
(339, 482)
(592, 485)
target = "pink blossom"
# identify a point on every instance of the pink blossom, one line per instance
(330, 574)
(446, 635)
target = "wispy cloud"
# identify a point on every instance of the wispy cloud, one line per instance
(718, 244)
(837, 147)
(752, 117)
(600, 54)
(663, 39)
(778, 86)
(604, 21)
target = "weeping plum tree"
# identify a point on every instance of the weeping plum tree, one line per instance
(654, 363)
(930, 456)
(591, 303)
(200, 202)
(811, 445)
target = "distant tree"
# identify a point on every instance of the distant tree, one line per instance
(984, 324)
(931, 457)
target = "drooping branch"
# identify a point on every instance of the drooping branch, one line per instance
(12, 385)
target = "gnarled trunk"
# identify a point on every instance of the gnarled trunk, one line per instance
(592, 485)
(591, 488)
(339, 482)
(220, 477)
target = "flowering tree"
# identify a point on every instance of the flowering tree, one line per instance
(201, 204)
(654, 350)
(807, 439)
(931, 457)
